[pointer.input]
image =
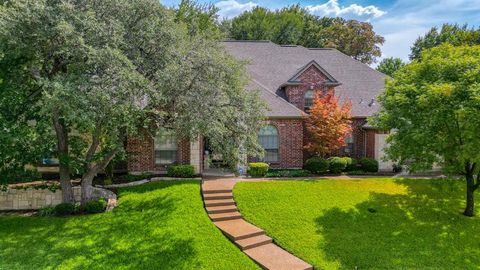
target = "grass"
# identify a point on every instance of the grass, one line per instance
(366, 224)
(156, 226)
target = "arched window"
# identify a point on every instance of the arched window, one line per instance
(268, 139)
(165, 147)
(308, 100)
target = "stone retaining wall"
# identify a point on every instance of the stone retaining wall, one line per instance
(31, 199)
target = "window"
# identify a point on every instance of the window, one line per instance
(268, 139)
(165, 147)
(308, 100)
(349, 142)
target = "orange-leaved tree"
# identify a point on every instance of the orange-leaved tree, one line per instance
(328, 124)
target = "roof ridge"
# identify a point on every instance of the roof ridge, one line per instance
(275, 94)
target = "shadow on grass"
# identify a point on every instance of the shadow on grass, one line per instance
(422, 229)
(136, 235)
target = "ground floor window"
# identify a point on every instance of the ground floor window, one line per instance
(165, 147)
(268, 139)
(349, 144)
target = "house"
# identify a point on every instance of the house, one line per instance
(287, 78)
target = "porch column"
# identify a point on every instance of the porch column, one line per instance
(195, 154)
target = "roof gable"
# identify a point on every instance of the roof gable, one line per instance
(295, 78)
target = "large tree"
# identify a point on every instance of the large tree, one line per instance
(449, 33)
(99, 70)
(328, 124)
(390, 65)
(433, 108)
(294, 25)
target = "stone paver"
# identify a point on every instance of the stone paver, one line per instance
(220, 206)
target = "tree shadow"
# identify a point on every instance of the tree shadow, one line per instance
(421, 229)
(136, 235)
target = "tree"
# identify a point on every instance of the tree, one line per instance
(449, 33)
(99, 70)
(390, 65)
(433, 107)
(199, 18)
(294, 25)
(328, 124)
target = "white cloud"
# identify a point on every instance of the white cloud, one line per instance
(231, 8)
(333, 8)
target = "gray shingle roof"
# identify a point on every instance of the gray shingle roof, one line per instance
(271, 65)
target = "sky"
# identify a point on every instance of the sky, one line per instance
(400, 22)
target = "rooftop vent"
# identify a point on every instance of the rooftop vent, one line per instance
(372, 102)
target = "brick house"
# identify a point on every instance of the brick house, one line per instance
(287, 78)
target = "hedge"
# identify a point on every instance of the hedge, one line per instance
(184, 171)
(316, 165)
(337, 164)
(369, 164)
(257, 169)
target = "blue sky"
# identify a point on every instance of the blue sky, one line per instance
(400, 22)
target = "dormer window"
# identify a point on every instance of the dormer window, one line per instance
(308, 100)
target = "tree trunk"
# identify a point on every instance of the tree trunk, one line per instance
(91, 172)
(87, 180)
(470, 208)
(62, 148)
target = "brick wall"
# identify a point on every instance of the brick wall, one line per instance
(141, 154)
(290, 151)
(312, 79)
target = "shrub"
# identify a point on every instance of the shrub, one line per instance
(96, 206)
(351, 164)
(316, 165)
(184, 171)
(288, 173)
(64, 209)
(257, 169)
(337, 164)
(47, 211)
(369, 164)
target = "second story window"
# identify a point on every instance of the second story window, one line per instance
(308, 100)
(165, 147)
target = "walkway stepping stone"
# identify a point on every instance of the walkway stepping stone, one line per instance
(254, 241)
(238, 229)
(209, 203)
(218, 196)
(271, 256)
(221, 209)
(225, 216)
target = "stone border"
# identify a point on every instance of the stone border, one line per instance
(144, 181)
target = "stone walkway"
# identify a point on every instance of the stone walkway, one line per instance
(220, 206)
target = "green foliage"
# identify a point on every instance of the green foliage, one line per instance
(351, 164)
(257, 169)
(316, 165)
(18, 175)
(185, 171)
(287, 173)
(200, 19)
(96, 206)
(390, 65)
(47, 211)
(164, 224)
(449, 33)
(101, 70)
(291, 212)
(295, 25)
(337, 164)
(369, 164)
(65, 209)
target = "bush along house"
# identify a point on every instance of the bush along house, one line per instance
(287, 77)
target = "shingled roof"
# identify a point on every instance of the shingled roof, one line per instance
(270, 66)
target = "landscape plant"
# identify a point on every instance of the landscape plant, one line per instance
(433, 109)
(91, 72)
(316, 165)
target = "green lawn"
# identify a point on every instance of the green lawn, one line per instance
(156, 226)
(366, 224)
